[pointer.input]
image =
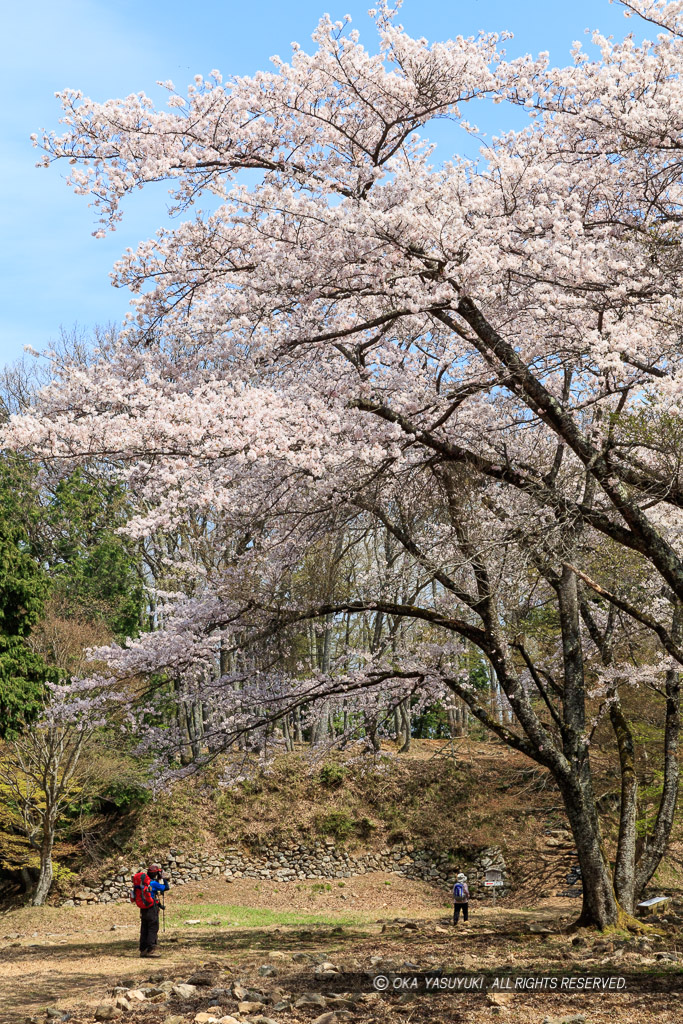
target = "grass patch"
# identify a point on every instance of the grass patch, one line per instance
(231, 916)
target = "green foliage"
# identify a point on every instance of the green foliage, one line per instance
(63, 878)
(332, 775)
(336, 823)
(343, 826)
(126, 795)
(15, 850)
(319, 887)
(24, 587)
(92, 567)
(61, 544)
(431, 724)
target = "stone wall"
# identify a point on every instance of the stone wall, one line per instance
(316, 861)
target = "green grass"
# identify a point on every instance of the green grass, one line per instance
(226, 915)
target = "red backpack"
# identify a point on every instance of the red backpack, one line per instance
(141, 895)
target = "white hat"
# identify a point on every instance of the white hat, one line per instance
(461, 877)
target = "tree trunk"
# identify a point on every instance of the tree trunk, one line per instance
(600, 908)
(371, 726)
(404, 709)
(44, 882)
(289, 746)
(655, 844)
(624, 868)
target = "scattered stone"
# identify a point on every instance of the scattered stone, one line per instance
(310, 999)
(573, 1018)
(218, 994)
(205, 1018)
(326, 968)
(203, 979)
(249, 1007)
(301, 958)
(228, 1020)
(193, 921)
(174, 1018)
(267, 971)
(326, 1018)
(105, 1011)
(136, 993)
(239, 992)
(184, 991)
(499, 998)
(264, 1020)
(122, 1003)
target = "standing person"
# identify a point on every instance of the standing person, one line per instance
(461, 898)
(148, 889)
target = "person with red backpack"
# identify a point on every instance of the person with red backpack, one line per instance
(148, 887)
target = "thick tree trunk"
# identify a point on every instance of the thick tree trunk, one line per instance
(600, 908)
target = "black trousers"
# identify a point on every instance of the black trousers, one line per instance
(457, 907)
(149, 928)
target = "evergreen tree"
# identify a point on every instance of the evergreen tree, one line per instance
(24, 586)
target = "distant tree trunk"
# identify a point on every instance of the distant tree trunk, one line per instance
(289, 746)
(182, 724)
(404, 712)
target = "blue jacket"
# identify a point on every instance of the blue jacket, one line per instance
(157, 888)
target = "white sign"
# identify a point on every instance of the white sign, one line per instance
(497, 881)
(651, 902)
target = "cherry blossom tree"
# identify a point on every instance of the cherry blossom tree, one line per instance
(481, 358)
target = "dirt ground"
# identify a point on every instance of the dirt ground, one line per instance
(68, 959)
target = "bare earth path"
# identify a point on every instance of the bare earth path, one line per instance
(69, 959)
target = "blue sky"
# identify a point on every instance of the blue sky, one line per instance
(53, 273)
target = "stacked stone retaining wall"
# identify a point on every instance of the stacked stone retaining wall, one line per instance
(319, 861)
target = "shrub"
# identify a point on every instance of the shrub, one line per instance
(62, 878)
(126, 795)
(337, 823)
(332, 775)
